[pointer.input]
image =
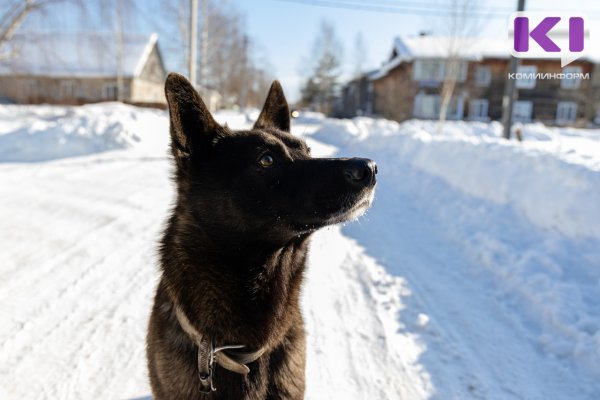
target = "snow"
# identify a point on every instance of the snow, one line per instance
(46, 132)
(552, 178)
(476, 274)
(431, 46)
(76, 54)
(412, 47)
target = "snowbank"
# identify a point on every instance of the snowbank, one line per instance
(526, 215)
(476, 274)
(553, 177)
(43, 133)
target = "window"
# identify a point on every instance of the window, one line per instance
(569, 81)
(526, 74)
(566, 112)
(483, 76)
(428, 70)
(109, 91)
(522, 111)
(370, 91)
(460, 70)
(427, 106)
(30, 87)
(478, 110)
(436, 70)
(67, 89)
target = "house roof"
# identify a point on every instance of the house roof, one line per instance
(76, 54)
(407, 49)
(441, 47)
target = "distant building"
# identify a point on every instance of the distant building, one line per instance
(409, 83)
(77, 68)
(211, 97)
(356, 97)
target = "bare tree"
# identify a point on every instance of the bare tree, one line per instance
(461, 28)
(176, 41)
(14, 13)
(360, 54)
(229, 60)
(120, 45)
(324, 67)
(231, 65)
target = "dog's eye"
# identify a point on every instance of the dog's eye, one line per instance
(266, 160)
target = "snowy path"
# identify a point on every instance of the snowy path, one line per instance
(77, 276)
(473, 346)
(410, 302)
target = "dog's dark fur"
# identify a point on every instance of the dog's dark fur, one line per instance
(235, 247)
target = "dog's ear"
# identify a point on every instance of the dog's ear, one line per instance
(275, 112)
(192, 125)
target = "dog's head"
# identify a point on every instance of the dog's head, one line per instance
(261, 182)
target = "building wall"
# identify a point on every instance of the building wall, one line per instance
(547, 93)
(153, 70)
(149, 86)
(593, 105)
(147, 92)
(395, 93)
(53, 90)
(356, 99)
(494, 92)
(145, 89)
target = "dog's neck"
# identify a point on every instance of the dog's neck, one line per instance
(232, 291)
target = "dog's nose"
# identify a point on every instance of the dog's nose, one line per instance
(361, 171)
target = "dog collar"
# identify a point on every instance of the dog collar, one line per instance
(230, 357)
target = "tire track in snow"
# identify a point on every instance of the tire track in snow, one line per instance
(61, 308)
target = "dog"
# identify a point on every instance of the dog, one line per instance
(226, 321)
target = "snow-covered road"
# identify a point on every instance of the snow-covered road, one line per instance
(437, 293)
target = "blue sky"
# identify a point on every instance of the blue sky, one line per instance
(285, 29)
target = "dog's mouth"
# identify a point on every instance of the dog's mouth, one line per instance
(351, 210)
(354, 210)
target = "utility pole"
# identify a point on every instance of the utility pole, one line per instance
(120, 44)
(193, 34)
(509, 95)
(244, 73)
(204, 44)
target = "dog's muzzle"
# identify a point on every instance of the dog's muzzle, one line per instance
(360, 171)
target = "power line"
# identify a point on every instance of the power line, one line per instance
(423, 5)
(401, 8)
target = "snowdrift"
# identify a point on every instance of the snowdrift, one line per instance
(476, 274)
(44, 133)
(527, 215)
(553, 181)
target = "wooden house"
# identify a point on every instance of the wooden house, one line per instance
(67, 68)
(409, 84)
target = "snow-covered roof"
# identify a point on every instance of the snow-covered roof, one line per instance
(407, 49)
(440, 47)
(76, 54)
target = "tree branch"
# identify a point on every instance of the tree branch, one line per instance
(15, 16)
